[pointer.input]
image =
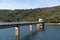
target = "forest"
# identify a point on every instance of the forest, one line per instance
(50, 14)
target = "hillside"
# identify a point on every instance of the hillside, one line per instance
(51, 14)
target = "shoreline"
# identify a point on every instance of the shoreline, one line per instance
(52, 23)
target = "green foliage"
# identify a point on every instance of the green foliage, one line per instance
(51, 14)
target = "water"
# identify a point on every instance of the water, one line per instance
(25, 33)
(50, 32)
(7, 34)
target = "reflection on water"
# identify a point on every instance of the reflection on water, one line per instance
(29, 36)
(25, 33)
(50, 32)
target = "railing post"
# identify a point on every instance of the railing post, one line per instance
(17, 33)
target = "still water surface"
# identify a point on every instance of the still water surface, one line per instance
(50, 32)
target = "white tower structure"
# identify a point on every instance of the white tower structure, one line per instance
(41, 20)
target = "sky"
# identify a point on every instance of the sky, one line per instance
(27, 4)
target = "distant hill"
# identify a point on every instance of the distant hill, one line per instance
(51, 14)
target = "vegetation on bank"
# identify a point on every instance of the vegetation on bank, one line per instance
(51, 15)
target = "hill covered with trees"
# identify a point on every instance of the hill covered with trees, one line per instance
(51, 14)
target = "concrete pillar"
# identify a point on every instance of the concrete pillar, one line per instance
(17, 33)
(30, 28)
(41, 26)
(38, 27)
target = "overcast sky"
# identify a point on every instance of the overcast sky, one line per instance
(27, 4)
